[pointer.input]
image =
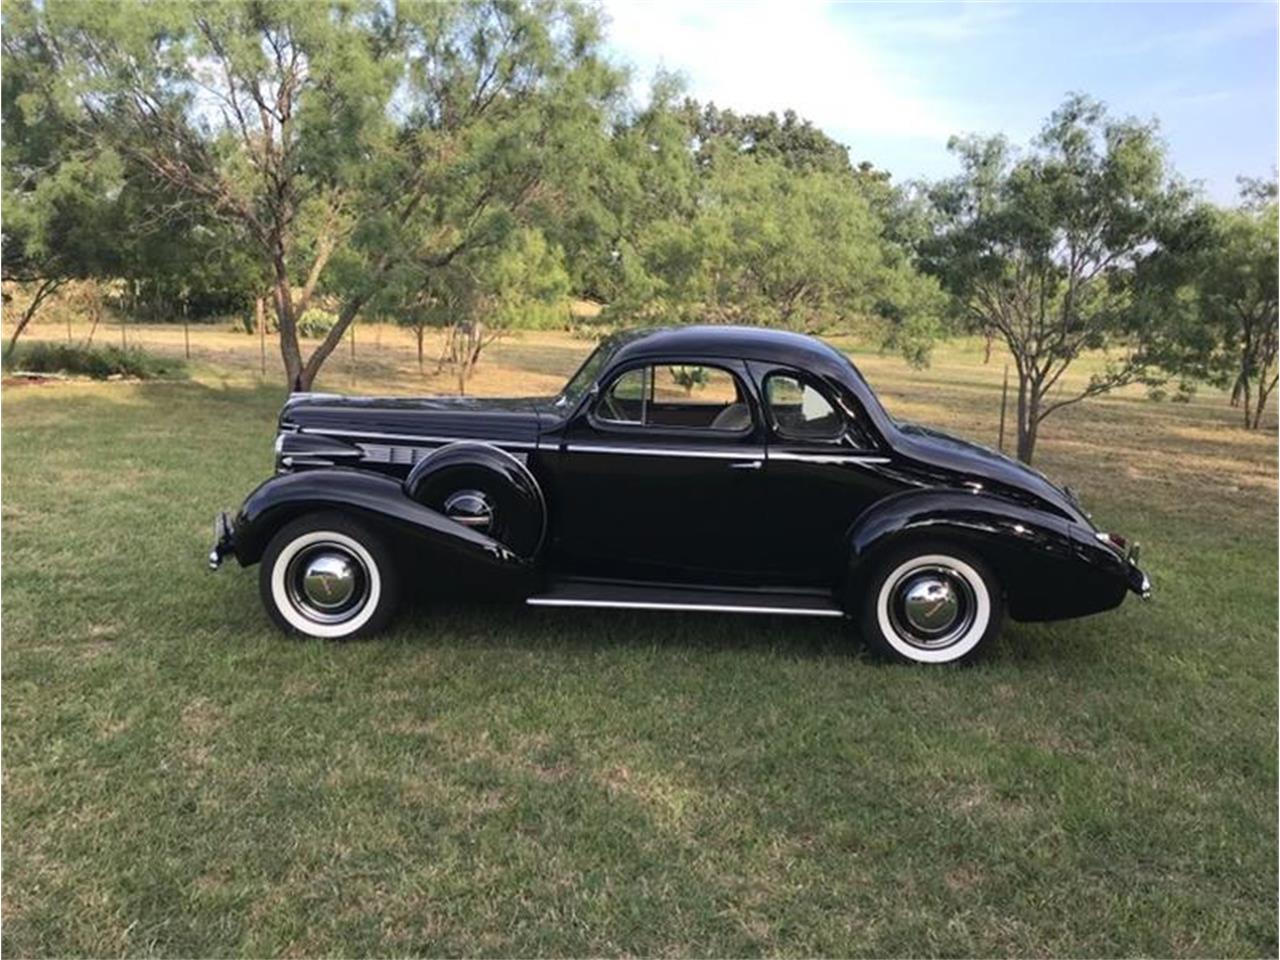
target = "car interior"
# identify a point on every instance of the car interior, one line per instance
(673, 395)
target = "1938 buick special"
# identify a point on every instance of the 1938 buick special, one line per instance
(696, 468)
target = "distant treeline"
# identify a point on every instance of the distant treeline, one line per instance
(475, 166)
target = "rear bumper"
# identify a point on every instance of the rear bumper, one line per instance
(1129, 552)
(223, 540)
(1139, 582)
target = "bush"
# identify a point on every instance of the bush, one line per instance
(98, 362)
(315, 324)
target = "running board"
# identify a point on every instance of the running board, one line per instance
(631, 596)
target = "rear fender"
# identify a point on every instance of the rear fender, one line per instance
(382, 501)
(1034, 554)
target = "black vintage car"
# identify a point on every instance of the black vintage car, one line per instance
(716, 468)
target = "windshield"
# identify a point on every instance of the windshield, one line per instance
(581, 381)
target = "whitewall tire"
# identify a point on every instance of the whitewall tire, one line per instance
(930, 603)
(327, 576)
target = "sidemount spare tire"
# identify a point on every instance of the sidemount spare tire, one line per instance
(485, 488)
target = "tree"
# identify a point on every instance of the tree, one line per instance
(707, 216)
(1218, 283)
(61, 210)
(483, 295)
(341, 136)
(1238, 296)
(1043, 249)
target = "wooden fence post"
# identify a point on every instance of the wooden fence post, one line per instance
(260, 318)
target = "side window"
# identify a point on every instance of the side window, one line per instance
(626, 398)
(673, 395)
(800, 411)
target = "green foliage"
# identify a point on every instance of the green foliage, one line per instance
(1215, 283)
(98, 362)
(725, 219)
(1044, 249)
(475, 163)
(316, 323)
(341, 142)
(690, 378)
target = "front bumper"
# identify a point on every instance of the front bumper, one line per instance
(223, 540)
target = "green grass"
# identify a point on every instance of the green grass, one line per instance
(179, 779)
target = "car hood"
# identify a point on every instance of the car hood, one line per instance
(978, 464)
(492, 419)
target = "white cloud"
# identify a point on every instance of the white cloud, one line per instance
(760, 56)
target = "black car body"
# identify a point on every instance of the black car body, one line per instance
(706, 467)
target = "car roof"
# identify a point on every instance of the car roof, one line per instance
(709, 341)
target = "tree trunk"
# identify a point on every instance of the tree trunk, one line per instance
(1246, 397)
(308, 371)
(44, 290)
(1021, 412)
(1028, 417)
(986, 355)
(95, 312)
(1264, 391)
(419, 331)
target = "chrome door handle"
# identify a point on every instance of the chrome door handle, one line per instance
(747, 465)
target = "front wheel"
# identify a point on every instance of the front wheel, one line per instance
(930, 603)
(325, 575)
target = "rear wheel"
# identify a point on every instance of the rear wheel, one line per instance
(325, 575)
(930, 603)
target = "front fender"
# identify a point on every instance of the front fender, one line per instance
(1039, 558)
(380, 500)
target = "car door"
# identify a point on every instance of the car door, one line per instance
(823, 468)
(655, 476)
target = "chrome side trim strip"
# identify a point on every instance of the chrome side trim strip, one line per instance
(668, 452)
(744, 454)
(375, 435)
(827, 457)
(699, 607)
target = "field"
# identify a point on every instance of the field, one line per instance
(179, 779)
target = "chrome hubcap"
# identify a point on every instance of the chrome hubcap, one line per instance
(932, 606)
(327, 583)
(329, 579)
(471, 508)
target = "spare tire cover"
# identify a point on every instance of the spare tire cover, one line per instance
(519, 513)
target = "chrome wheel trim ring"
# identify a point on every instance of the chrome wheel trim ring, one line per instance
(300, 610)
(953, 640)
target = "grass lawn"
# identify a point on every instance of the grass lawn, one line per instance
(180, 779)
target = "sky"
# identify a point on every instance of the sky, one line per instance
(893, 81)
